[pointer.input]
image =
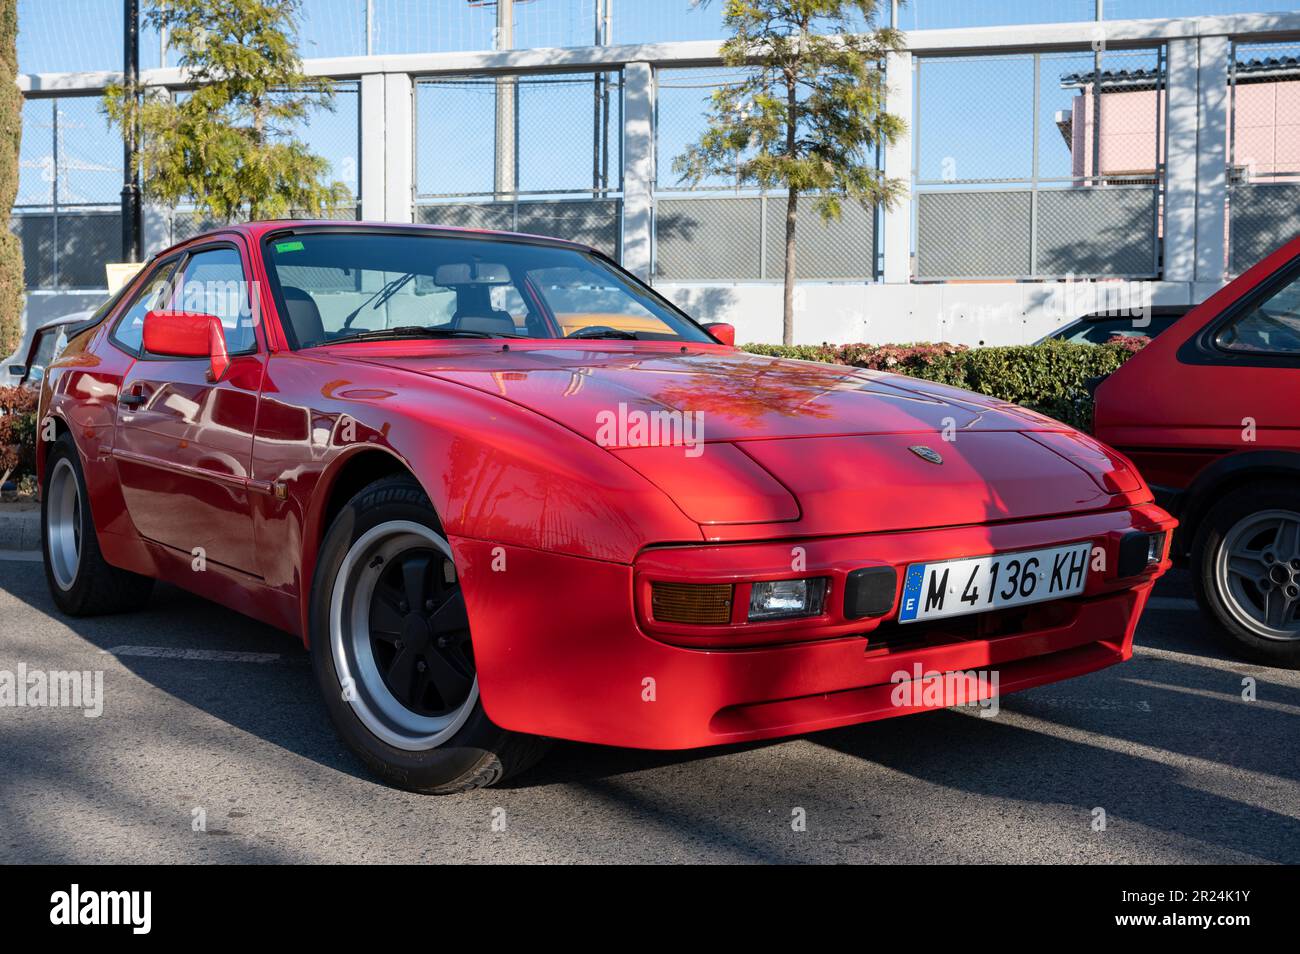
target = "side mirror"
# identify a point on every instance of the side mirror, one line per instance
(724, 332)
(183, 334)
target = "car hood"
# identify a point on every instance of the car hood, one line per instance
(734, 396)
(819, 448)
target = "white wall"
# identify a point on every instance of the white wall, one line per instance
(972, 314)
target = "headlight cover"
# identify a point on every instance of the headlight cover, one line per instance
(787, 599)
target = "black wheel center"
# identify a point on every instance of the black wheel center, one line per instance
(419, 633)
(415, 633)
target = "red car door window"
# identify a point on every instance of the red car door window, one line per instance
(183, 443)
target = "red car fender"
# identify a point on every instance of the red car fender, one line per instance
(508, 484)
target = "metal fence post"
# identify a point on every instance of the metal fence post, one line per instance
(373, 152)
(1180, 162)
(1212, 160)
(399, 194)
(638, 168)
(898, 165)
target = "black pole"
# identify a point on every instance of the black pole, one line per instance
(132, 220)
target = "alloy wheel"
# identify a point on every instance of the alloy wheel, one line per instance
(401, 637)
(1257, 570)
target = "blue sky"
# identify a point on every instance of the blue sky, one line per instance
(87, 34)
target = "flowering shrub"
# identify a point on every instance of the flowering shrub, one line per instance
(1051, 378)
(17, 432)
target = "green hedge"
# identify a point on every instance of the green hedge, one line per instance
(1050, 378)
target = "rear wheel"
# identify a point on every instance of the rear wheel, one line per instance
(392, 652)
(1246, 559)
(81, 581)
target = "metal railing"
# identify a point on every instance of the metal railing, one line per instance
(1039, 165)
(1263, 150)
(535, 154)
(721, 229)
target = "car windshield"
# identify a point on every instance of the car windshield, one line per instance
(337, 286)
(1096, 331)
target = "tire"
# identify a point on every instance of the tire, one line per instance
(1246, 570)
(81, 581)
(391, 651)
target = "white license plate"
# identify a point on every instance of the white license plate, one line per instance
(958, 587)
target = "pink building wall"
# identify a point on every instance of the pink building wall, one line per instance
(1267, 124)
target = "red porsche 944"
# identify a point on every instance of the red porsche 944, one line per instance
(504, 492)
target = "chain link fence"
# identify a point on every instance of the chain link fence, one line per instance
(67, 212)
(333, 133)
(721, 230)
(1039, 165)
(1263, 151)
(539, 154)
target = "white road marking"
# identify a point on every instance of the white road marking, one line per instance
(204, 655)
(1220, 696)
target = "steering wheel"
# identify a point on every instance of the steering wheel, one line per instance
(598, 331)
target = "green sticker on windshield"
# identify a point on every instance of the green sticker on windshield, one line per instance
(288, 246)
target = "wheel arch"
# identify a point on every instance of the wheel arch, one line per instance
(1225, 476)
(43, 447)
(349, 474)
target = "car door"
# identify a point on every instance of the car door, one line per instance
(1224, 385)
(183, 444)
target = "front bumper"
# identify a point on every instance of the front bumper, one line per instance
(563, 651)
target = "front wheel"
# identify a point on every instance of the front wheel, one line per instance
(1246, 563)
(392, 653)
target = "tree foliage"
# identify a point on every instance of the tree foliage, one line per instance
(228, 145)
(11, 131)
(809, 113)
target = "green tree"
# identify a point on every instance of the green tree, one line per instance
(11, 133)
(808, 115)
(228, 145)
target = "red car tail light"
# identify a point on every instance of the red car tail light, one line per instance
(691, 603)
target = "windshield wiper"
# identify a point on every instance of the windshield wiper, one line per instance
(605, 333)
(388, 291)
(417, 331)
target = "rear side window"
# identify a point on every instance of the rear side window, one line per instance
(1271, 327)
(154, 293)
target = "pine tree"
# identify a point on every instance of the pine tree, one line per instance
(808, 115)
(228, 144)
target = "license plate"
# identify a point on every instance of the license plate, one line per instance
(979, 584)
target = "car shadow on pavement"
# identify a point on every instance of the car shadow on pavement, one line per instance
(1182, 699)
(1118, 769)
(275, 700)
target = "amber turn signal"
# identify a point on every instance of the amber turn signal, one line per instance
(708, 603)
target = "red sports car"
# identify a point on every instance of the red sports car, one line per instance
(1210, 411)
(505, 492)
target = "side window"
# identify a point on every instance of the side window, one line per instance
(1273, 326)
(213, 283)
(155, 293)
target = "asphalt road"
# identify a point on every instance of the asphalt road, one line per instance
(205, 710)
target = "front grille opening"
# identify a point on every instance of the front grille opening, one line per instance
(892, 636)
